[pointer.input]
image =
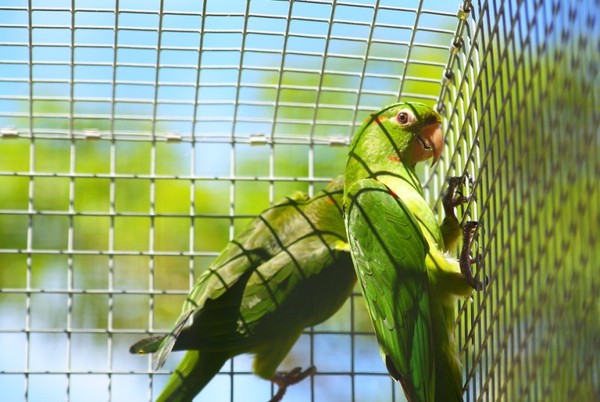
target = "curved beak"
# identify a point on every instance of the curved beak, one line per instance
(429, 143)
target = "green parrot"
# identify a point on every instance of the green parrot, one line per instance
(410, 284)
(288, 270)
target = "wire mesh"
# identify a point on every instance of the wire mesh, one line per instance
(522, 111)
(139, 137)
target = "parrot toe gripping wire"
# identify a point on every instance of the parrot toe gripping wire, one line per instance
(284, 380)
(454, 196)
(465, 259)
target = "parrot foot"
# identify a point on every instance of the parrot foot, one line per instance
(465, 260)
(284, 380)
(453, 196)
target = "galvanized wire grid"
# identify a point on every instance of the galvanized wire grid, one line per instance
(139, 138)
(523, 89)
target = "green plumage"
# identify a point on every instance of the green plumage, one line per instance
(396, 242)
(394, 284)
(289, 269)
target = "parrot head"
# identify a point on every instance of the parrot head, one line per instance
(408, 131)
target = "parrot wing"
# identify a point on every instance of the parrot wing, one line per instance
(289, 269)
(314, 246)
(388, 250)
(251, 248)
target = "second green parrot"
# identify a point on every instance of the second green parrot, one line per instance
(288, 270)
(410, 285)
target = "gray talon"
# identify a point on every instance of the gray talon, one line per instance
(454, 196)
(465, 259)
(284, 380)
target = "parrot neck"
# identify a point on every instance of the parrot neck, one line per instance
(371, 156)
(381, 170)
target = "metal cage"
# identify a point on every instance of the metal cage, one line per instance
(139, 137)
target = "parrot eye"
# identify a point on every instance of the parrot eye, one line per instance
(405, 117)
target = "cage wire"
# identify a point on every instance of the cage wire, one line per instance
(139, 137)
(523, 108)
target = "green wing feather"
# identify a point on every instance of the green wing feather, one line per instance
(389, 252)
(284, 272)
(253, 247)
(304, 250)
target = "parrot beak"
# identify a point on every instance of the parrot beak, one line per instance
(429, 143)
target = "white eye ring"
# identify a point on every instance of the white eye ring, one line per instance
(405, 117)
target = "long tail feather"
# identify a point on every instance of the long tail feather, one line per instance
(191, 376)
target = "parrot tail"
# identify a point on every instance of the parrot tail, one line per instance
(448, 378)
(448, 386)
(191, 375)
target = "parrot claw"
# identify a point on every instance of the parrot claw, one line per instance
(453, 196)
(284, 380)
(465, 259)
